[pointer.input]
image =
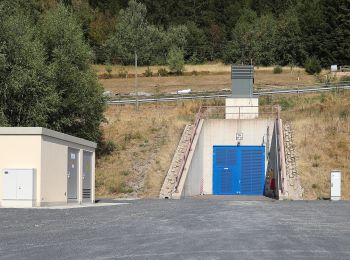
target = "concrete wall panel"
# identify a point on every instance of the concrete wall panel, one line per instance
(223, 132)
(21, 152)
(54, 165)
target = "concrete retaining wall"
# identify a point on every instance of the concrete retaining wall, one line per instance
(222, 132)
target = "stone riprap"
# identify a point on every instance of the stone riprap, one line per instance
(170, 180)
(292, 189)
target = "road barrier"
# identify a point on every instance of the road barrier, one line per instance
(283, 91)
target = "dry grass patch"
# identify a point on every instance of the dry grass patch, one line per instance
(211, 82)
(211, 67)
(146, 141)
(322, 135)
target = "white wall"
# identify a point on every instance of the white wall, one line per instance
(223, 132)
(241, 108)
(21, 152)
(54, 168)
(195, 172)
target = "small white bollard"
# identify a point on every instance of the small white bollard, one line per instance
(335, 185)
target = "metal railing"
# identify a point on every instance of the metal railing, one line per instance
(322, 87)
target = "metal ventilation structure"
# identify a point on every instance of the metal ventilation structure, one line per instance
(242, 80)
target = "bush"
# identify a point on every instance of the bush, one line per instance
(132, 136)
(105, 148)
(344, 114)
(277, 70)
(312, 66)
(124, 188)
(163, 72)
(345, 79)
(148, 72)
(122, 73)
(286, 104)
(176, 61)
(195, 73)
(109, 69)
(323, 98)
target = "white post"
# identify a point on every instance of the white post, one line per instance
(335, 185)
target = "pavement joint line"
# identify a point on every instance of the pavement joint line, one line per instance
(77, 206)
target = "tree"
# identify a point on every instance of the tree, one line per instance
(176, 60)
(242, 48)
(265, 40)
(289, 45)
(312, 66)
(335, 42)
(80, 101)
(312, 24)
(197, 47)
(26, 97)
(132, 35)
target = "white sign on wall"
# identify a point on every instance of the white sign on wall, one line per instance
(239, 136)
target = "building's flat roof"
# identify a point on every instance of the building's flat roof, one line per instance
(46, 132)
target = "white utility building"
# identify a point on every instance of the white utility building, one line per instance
(41, 167)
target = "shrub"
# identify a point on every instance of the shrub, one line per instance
(163, 72)
(125, 172)
(277, 70)
(286, 104)
(344, 114)
(176, 61)
(116, 187)
(133, 136)
(124, 188)
(112, 188)
(148, 72)
(105, 148)
(109, 69)
(312, 66)
(122, 73)
(323, 98)
(345, 79)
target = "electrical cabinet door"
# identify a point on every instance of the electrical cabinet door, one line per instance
(335, 185)
(72, 174)
(18, 184)
(87, 174)
(9, 185)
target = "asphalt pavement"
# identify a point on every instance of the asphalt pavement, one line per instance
(184, 229)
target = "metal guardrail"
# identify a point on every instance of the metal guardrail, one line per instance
(295, 90)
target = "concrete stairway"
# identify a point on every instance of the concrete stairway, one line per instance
(170, 180)
(292, 189)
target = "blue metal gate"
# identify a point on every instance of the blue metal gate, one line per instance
(238, 170)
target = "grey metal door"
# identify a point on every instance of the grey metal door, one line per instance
(72, 174)
(87, 174)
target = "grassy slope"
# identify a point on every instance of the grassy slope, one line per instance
(147, 139)
(322, 135)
